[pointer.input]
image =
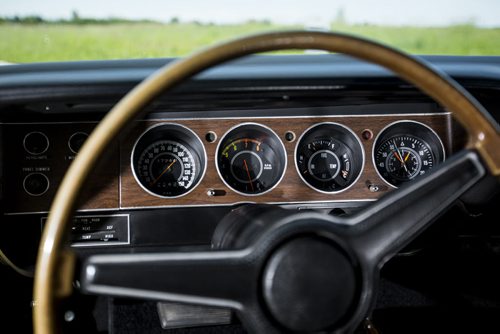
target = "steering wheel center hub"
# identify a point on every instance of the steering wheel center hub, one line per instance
(309, 284)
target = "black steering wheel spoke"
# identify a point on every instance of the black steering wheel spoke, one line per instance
(212, 278)
(218, 278)
(384, 228)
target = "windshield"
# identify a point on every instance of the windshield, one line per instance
(57, 30)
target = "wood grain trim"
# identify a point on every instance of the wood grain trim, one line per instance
(291, 189)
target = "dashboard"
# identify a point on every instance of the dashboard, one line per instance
(225, 161)
(317, 132)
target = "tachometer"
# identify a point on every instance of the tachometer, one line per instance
(168, 160)
(251, 159)
(405, 150)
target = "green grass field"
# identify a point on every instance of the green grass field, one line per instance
(55, 42)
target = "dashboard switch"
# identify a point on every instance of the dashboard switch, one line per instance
(103, 230)
(76, 141)
(36, 184)
(36, 143)
(216, 192)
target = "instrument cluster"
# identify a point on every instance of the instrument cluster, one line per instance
(309, 160)
(169, 160)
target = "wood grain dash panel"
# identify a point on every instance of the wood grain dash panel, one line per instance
(291, 188)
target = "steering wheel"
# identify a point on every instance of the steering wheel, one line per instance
(279, 270)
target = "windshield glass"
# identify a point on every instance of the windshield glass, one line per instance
(56, 30)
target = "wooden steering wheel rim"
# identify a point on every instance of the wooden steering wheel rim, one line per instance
(54, 268)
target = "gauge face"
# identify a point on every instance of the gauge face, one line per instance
(329, 157)
(400, 158)
(251, 159)
(168, 161)
(167, 168)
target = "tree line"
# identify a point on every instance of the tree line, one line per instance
(74, 19)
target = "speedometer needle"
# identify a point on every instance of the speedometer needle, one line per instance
(248, 173)
(164, 171)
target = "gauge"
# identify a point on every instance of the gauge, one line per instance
(251, 159)
(406, 150)
(168, 160)
(329, 157)
(167, 168)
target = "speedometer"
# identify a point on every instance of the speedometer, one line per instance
(168, 160)
(167, 168)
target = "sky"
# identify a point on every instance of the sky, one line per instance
(316, 13)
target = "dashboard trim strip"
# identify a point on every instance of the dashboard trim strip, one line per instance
(242, 117)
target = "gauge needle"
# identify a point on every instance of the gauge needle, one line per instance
(248, 173)
(164, 171)
(396, 154)
(397, 149)
(400, 158)
(403, 164)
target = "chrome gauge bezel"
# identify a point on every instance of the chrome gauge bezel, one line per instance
(349, 130)
(191, 135)
(397, 123)
(281, 147)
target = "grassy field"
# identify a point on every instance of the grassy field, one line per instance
(56, 42)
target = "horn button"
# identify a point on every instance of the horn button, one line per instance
(309, 284)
